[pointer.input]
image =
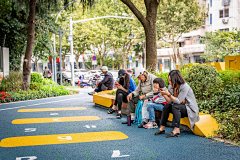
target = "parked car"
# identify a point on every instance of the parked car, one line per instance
(94, 72)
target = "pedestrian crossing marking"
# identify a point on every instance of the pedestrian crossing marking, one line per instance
(52, 109)
(62, 138)
(55, 119)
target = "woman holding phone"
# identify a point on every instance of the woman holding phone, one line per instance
(181, 103)
(125, 86)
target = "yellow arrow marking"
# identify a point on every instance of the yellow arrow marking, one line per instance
(51, 109)
(62, 138)
(55, 119)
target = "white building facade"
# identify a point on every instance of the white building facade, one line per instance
(221, 15)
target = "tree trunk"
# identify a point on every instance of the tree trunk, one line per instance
(29, 49)
(63, 58)
(149, 24)
(77, 58)
(151, 35)
(125, 61)
(101, 61)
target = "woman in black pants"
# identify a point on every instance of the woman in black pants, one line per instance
(181, 103)
(125, 86)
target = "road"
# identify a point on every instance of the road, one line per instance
(73, 128)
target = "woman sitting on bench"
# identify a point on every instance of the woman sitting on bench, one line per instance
(125, 86)
(181, 103)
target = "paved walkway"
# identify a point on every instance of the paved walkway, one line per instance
(73, 128)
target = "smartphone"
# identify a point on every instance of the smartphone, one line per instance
(116, 84)
(160, 89)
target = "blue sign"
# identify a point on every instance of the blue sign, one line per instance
(94, 58)
(130, 58)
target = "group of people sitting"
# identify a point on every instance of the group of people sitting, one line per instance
(178, 99)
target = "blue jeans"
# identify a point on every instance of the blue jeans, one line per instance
(151, 108)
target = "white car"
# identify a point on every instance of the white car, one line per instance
(94, 72)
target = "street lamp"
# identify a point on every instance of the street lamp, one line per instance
(71, 42)
(71, 37)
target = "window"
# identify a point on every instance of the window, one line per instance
(210, 3)
(221, 14)
(222, 30)
(224, 13)
(210, 18)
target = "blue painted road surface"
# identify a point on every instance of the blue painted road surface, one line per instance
(139, 144)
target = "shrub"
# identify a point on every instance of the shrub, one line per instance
(229, 127)
(47, 81)
(164, 76)
(230, 77)
(11, 82)
(222, 99)
(203, 79)
(35, 86)
(36, 77)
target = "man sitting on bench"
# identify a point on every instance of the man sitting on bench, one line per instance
(107, 82)
(143, 91)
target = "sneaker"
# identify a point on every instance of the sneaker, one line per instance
(151, 125)
(91, 93)
(142, 124)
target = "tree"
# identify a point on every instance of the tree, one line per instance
(12, 31)
(176, 17)
(41, 7)
(221, 44)
(149, 25)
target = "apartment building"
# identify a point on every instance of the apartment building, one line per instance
(221, 15)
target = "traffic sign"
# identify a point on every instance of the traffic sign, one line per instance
(94, 58)
(130, 57)
(94, 62)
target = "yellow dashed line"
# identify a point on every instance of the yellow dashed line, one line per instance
(55, 119)
(62, 138)
(51, 109)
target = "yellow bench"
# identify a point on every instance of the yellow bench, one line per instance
(204, 127)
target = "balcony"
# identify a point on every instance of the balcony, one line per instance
(187, 49)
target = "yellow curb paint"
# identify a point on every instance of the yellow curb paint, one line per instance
(51, 109)
(62, 138)
(55, 119)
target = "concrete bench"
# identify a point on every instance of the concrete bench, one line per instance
(204, 127)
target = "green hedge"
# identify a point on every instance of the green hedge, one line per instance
(36, 77)
(229, 127)
(11, 82)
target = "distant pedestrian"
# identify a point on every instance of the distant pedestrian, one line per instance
(181, 103)
(46, 73)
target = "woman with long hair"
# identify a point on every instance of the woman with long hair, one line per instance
(181, 103)
(125, 86)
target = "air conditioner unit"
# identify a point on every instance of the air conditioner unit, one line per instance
(225, 20)
(225, 2)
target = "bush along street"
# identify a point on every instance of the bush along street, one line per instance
(39, 88)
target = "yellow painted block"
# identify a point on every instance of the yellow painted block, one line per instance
(54, 119)
(204, 127)
(103, 98)
(52, 109)
(233, 62)
(62, 139)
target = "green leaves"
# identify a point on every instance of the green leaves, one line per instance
(221, 44)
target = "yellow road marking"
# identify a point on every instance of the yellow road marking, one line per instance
(62, 138)
(55, 119)
(51, 109)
